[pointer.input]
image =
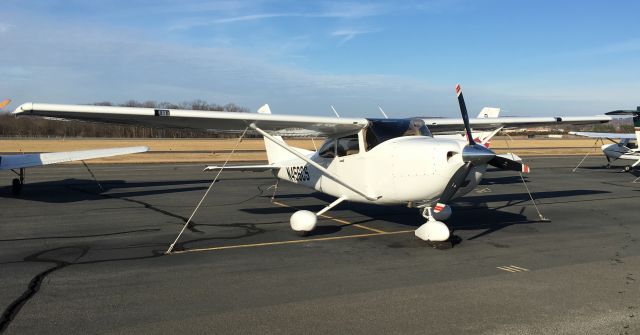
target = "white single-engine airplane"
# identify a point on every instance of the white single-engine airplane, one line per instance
(18, 163)
(621, 149)
(375, 161)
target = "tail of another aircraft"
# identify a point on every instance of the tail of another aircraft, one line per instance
(489, 112)
(636, 119)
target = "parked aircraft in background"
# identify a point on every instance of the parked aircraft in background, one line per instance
(394, 161)
(18, 163)
(622, 148)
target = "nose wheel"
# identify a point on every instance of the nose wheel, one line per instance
(435, 233)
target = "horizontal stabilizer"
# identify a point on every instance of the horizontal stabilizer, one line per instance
(252, 168)
(30, 160)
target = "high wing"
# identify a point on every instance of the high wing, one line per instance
(290, 125)
(449, 124)
(8, 162)
(604, 135)
(209, 120)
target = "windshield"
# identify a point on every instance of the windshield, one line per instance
(381, 130)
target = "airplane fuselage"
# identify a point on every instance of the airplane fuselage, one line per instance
(411, 169)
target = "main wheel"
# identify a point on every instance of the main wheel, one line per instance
(16, 186)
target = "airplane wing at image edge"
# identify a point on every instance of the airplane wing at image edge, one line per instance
(8, 162)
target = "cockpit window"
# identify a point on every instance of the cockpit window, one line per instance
(381, 130)
(348, 145)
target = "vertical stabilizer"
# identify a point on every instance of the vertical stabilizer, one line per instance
(489, 112)
(277, 154)
(264, 109)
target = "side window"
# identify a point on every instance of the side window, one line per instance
(328, 149)
(348, 145)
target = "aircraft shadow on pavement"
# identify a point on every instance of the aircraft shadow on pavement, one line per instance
(469, 212)
(74, 190)
(519, 198)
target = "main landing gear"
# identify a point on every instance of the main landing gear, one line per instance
(303, 222)
(16, 184)
(435, 232)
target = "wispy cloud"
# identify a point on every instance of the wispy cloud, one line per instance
(172, 71)
(327, 11)
(349, 34)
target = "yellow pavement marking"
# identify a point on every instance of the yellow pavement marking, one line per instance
(289, 242)
(343, 222)
(512, 268)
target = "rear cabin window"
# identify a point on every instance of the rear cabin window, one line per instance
(328, 149)
(381, 130)
(344, 146)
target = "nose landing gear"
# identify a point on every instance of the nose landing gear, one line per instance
(434, 232)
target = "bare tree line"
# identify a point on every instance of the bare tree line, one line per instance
(11, 126)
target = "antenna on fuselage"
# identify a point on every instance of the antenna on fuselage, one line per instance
(383, 113)
(334, 110)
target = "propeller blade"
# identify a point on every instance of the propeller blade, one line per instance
(508, 164)
(465, 115)
(455, 182)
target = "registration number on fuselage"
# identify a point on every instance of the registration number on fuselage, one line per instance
(298, 173)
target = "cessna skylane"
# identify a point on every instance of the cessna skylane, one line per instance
(622, 149)
(18, 163)
(392, 161)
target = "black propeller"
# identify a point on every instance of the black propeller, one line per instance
(474, 154)
(465, 115)
(455, 182)
(508, 164)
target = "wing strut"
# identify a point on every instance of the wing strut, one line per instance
(595, 144)
(634, 165)
(186, 224)
(314, 164)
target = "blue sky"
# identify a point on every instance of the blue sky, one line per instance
(528, 57)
